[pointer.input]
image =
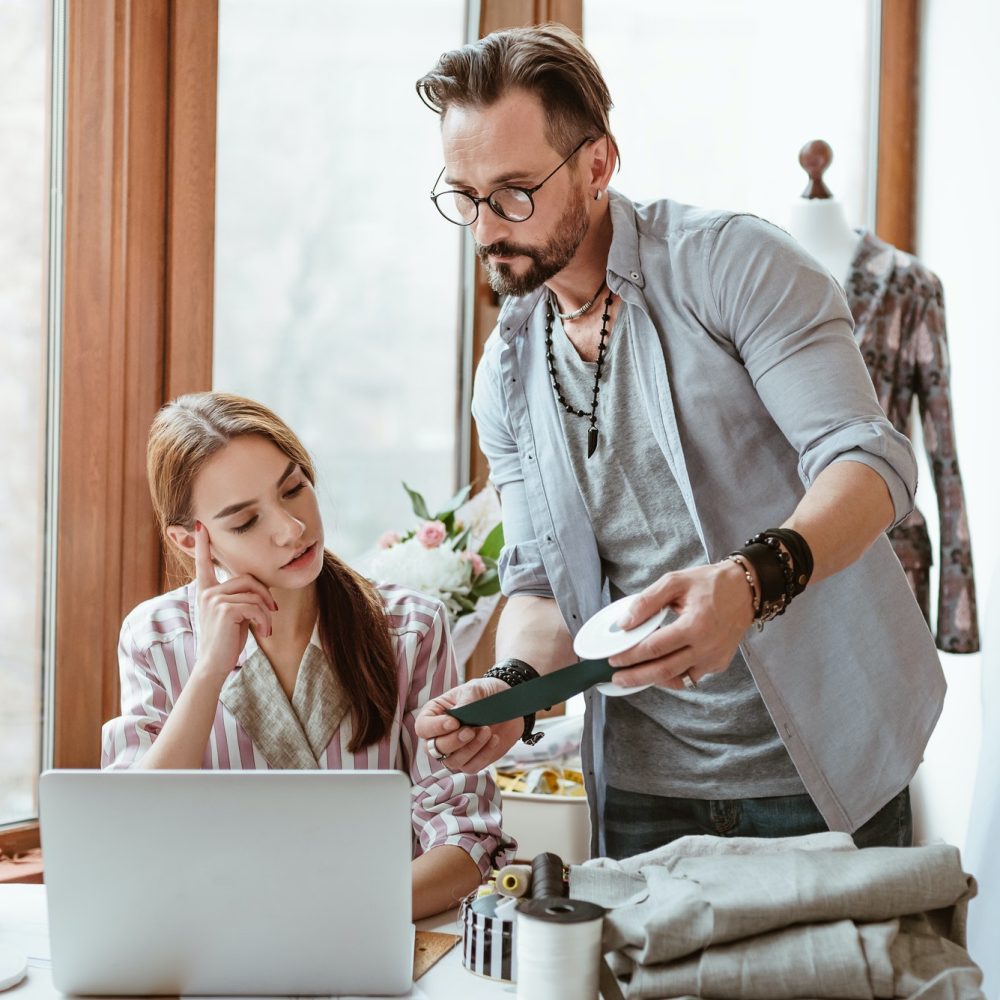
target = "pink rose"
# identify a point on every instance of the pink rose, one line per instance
(431, 534)
(478, 566)
(388, 539)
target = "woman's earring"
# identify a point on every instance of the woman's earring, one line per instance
(599, 194)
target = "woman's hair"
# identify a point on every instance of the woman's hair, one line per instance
(352, 624)
(548, 61)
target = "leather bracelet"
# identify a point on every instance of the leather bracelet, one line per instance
(766, 560)
(513, 672)
(801, 555)
(784, 564)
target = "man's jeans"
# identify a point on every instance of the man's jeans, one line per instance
(635, 823)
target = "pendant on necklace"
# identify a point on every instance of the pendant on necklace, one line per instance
(591, 441)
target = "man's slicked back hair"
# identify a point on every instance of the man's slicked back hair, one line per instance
(548, 61)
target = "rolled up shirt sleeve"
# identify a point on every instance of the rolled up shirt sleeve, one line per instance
(791, 325)
(522, 571)
(463, 810)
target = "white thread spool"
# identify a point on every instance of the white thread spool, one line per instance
(558, 949)
(514, 880)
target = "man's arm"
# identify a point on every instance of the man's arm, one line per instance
(841, 514)
(533, 630)
(530, 629)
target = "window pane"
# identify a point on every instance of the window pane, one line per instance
(713, 100)
(337, 283)
(23, 112)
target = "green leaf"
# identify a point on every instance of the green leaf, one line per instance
(492, 543)
(487, 583)
(455, 502)
(419, 504)
(465, 603)
(462, 540)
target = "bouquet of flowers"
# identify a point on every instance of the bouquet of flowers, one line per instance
(447, 555)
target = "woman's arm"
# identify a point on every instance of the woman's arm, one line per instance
(182, 742)
(441, 879)
(457, 811)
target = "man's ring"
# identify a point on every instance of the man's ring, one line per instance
(432, 749)
(689, 682)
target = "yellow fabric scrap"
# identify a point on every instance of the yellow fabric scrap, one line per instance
(543, 779)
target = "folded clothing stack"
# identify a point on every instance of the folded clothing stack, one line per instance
(802, 917)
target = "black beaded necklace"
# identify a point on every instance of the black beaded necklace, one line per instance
(601, 350)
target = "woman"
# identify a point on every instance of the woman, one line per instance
(293, 660)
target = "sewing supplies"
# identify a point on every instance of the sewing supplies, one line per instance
(544, 779)
(514, 881)
(535, 695)
(599, 633)
(559, 952)
(548, 876)
(489, 921)
(488, 938)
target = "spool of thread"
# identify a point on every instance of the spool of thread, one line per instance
(547, 876)
(514, 880)
(559, 949)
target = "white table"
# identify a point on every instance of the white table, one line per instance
(24, 926)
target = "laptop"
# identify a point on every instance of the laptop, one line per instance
(228, 882)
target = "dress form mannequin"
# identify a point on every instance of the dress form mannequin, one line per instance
(818, 220)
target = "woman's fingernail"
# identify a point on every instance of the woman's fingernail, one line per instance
(465, 735)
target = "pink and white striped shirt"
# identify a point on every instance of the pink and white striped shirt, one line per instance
(257, 727)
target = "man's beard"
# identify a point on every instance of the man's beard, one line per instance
(546, 261)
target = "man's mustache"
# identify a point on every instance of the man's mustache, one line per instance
(502, 250)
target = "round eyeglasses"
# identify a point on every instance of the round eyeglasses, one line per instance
(515, 204)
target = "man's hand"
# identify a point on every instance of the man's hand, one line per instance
(467, 748)
(713, 609)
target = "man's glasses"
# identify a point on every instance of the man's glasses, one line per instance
(514, 204)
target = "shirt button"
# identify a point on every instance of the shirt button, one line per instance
(634, 275)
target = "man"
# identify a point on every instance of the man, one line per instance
(708, 390)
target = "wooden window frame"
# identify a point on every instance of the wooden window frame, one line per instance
(138, 299)
(139, 222)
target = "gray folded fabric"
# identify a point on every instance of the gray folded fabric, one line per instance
(785, 923)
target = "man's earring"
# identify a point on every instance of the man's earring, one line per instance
(598, 195)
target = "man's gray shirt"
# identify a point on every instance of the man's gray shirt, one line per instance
(752, 385)
(717, 742)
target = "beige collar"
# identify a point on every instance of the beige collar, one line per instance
(291, 735)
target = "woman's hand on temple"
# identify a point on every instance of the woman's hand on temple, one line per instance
(467, 748)
(226, 611)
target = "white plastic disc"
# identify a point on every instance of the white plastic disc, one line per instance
(13, 967)
(601, 636)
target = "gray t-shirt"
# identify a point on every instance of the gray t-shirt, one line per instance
(718, 741)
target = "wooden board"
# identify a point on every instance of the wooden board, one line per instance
(429, 948)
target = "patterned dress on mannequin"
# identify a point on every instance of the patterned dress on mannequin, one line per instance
(898, 309)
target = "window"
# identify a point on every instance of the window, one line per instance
(714, 100)
(24, 28)
(338, 287)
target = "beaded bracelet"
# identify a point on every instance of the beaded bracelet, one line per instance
(738, 559)
(513, 672)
